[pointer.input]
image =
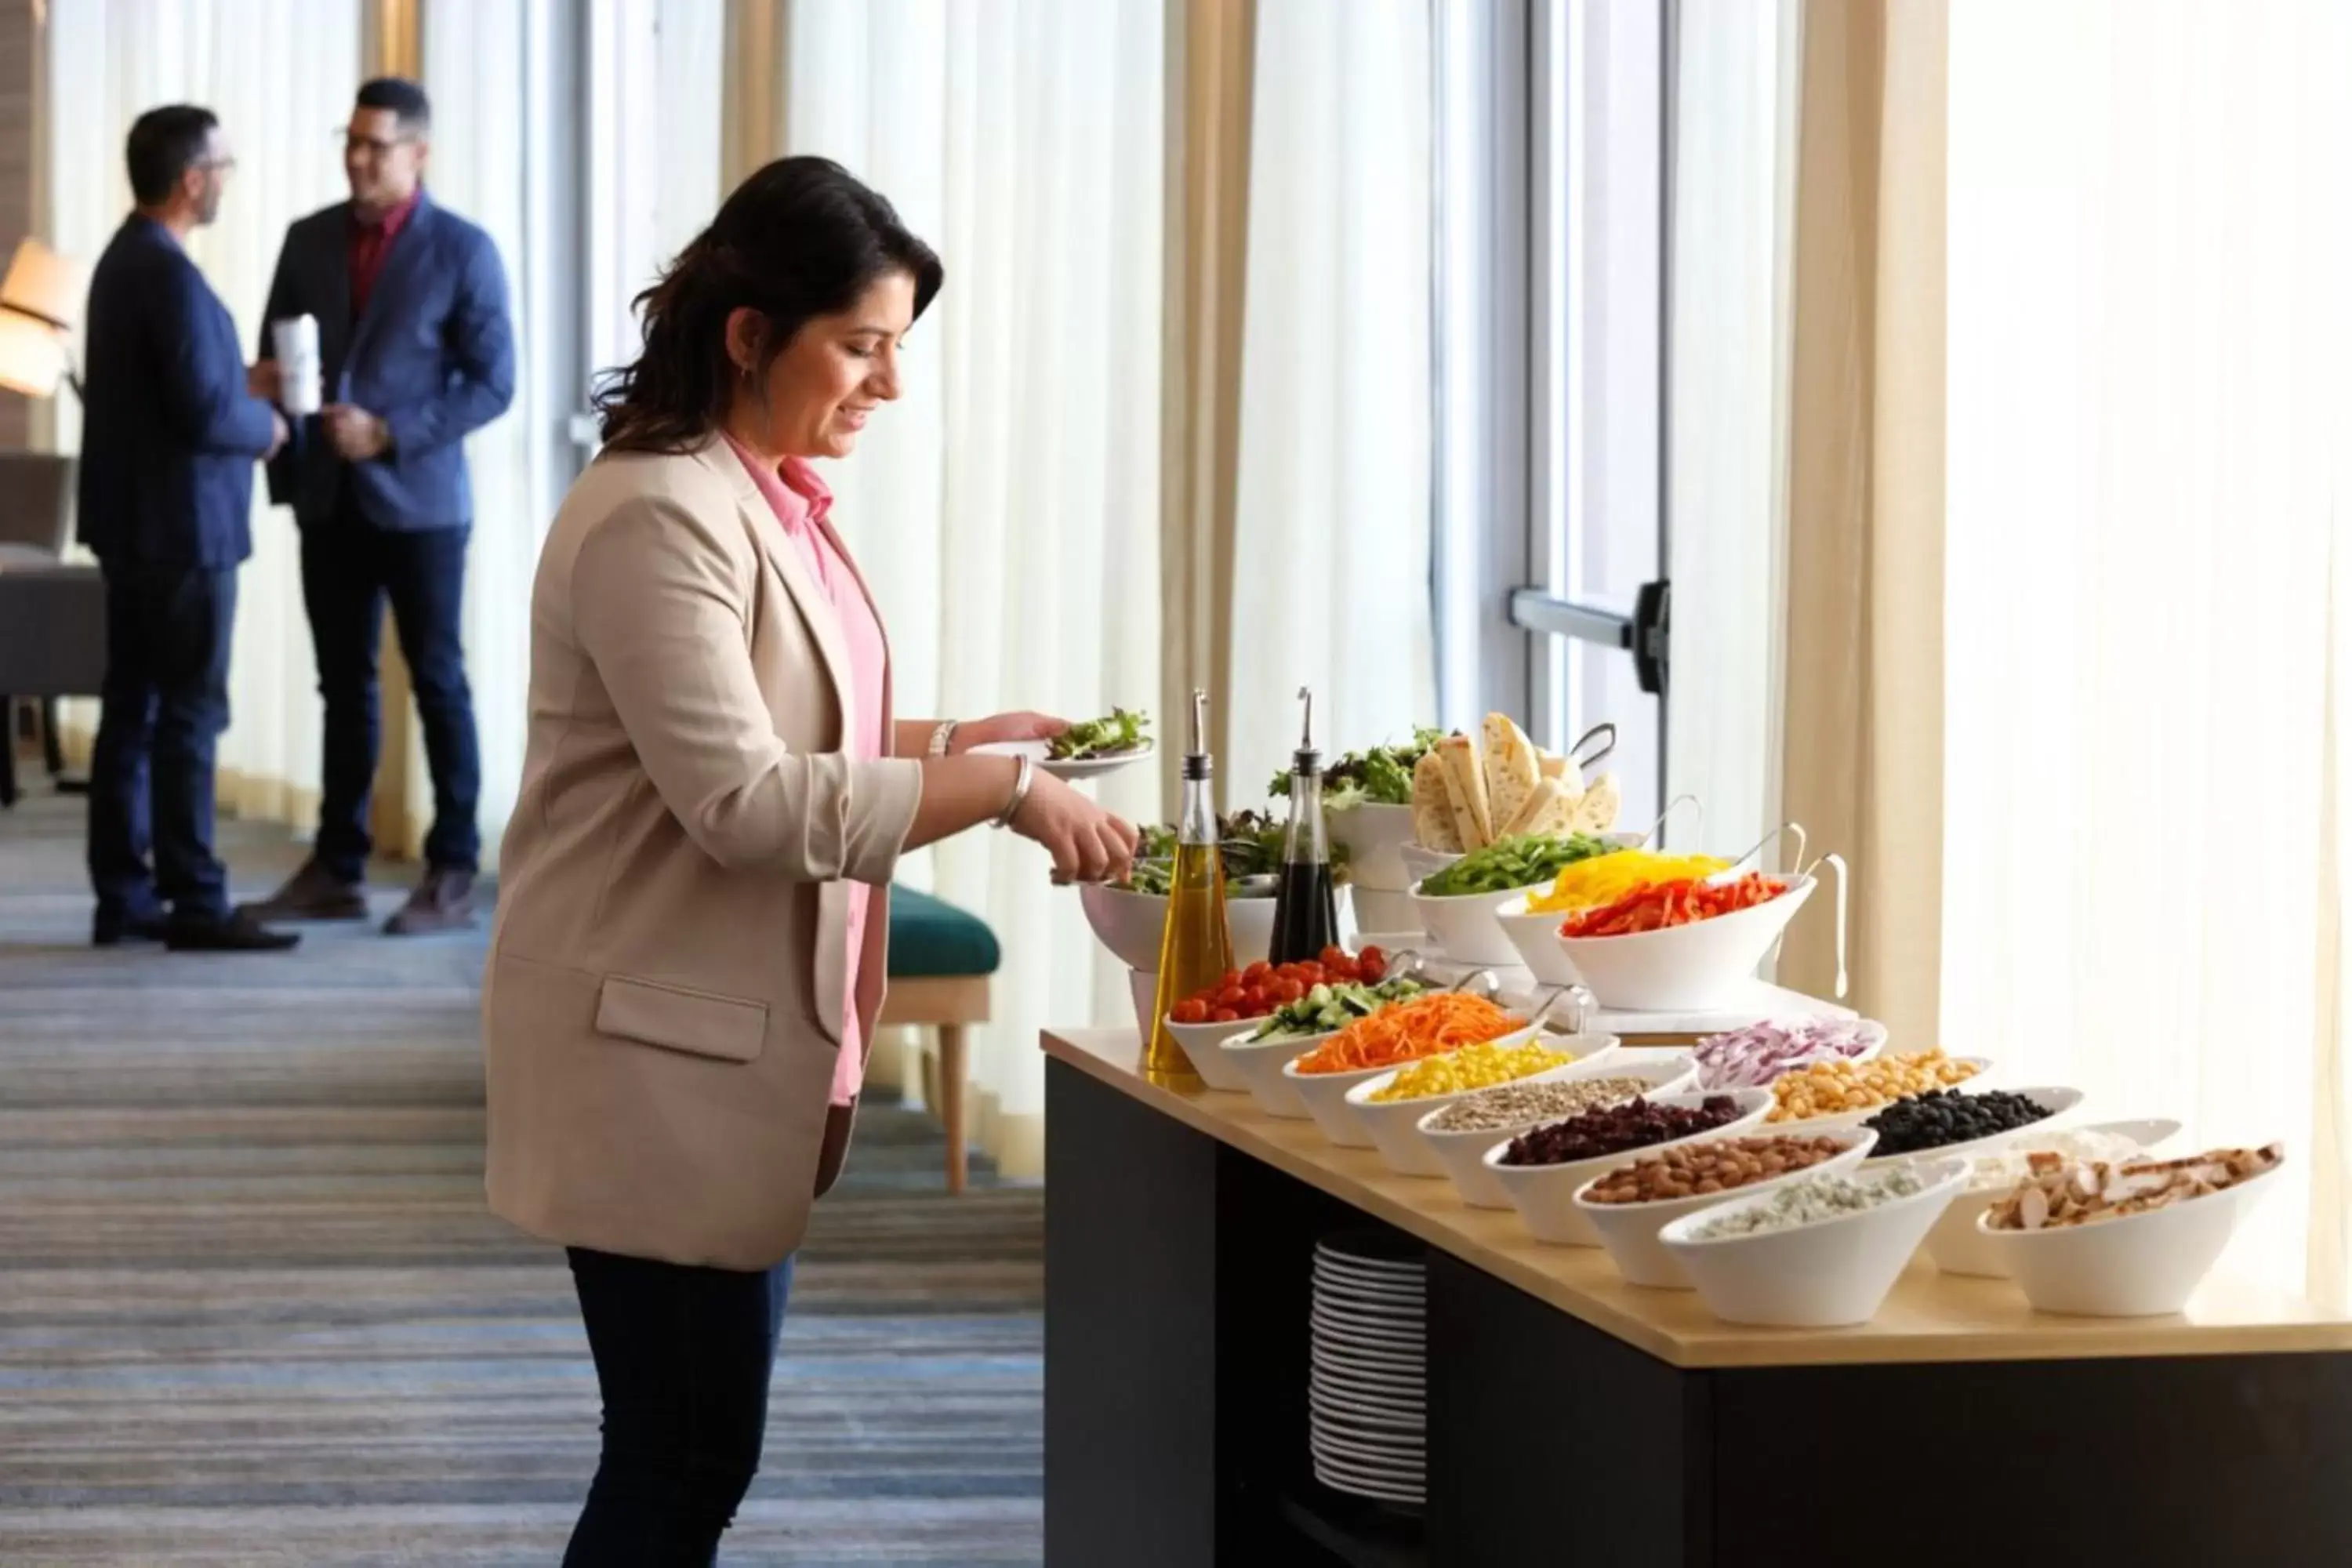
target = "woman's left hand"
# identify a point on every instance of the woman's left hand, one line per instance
(1007, 727)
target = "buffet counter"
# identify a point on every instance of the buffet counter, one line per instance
(1574, 1419)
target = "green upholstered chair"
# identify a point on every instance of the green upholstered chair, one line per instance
(941, 959)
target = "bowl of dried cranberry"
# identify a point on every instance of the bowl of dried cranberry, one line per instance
(1628, 1203)
(1542, 1168)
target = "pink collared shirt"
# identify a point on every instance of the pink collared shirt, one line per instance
(800, 503)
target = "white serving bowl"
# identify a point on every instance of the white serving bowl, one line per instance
(1630, 1231)
(1980, 1078)
(1463, 1154)
(1143, 990)
(1130, 924)
(2138, 1266)
(1535, 937)
(1420, 863)
(1203, 1045)
(1815, 1276)
(1260, 1065)
(1380, 909)
(1953, 1243)
(1372, 835)
(1545, 1195)
(1684, 968)
(1873, 1043)
(1465, 929)
(2058, 1102)
(1326, 1093)
(1392, 1123)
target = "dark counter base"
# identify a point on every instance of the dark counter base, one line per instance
(1177, 1291)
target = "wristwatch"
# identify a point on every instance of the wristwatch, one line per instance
(942, 737)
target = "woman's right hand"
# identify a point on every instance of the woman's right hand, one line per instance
(1087, 843)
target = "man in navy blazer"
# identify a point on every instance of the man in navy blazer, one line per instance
(169, 432)
(417, 352)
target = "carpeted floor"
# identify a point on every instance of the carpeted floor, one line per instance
(253, 1311)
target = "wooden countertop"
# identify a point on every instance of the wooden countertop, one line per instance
(1929, 1317)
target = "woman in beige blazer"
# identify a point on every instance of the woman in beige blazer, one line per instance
(688, 953)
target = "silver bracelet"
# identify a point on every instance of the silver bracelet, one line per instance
(1021, 779)
(942, 736)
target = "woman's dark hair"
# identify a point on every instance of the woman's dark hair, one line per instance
(801, 237)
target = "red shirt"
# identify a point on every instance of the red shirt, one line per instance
(371, 243)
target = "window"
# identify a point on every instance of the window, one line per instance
(1551, 286)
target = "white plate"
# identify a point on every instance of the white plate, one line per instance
(1343, 1416)
(1404, 1454)
(1070, 771)
(1381, 1269)
(1372, 1402)
(1395, 1337)
(1369, 1298)
(1341, 1479)
(1341, 1354)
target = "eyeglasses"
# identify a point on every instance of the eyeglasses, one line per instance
(223, 164)
(373, 146)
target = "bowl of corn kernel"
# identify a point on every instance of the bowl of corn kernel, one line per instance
(1833, 1094)
(1391, 1105)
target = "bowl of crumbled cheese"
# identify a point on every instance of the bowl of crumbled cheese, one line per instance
(1821, 1253)
(1953, 1243)
(2124, 1240)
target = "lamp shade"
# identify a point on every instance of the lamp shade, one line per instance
(43, 285)
(32, 354)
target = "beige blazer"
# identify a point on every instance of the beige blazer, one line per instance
(663, 1007)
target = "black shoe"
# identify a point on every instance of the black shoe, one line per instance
(312, 893)
(234, 932)
(111, 928)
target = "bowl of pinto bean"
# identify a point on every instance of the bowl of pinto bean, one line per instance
(1632, 1203)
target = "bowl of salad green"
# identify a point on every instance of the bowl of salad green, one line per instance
(1458, 905)
(1127, 917)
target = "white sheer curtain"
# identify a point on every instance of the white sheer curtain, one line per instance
(1735, 181)
(1332, 515)
(280, 73)
(505, 157)
(2147, 546)
(1005, 511)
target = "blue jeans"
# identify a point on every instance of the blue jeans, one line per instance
(150, 773)
(350, 568)
(682, 1362)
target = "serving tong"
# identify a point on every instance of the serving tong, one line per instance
(1416, 963)
(1576, 753)
(1806, 868)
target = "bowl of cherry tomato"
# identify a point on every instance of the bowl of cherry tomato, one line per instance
(1258, 989)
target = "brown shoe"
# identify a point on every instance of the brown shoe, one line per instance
(443, 900)
(312, 893)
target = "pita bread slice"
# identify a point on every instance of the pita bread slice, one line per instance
(1552, 765)
(1545, 799)
(1511, 769)
(1597, 812)
(1465, 792)
(1432, 809)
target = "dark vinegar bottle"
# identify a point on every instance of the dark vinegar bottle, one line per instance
(1305, 906)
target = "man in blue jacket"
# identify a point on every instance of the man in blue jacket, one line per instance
(417, 352)
(169, 433)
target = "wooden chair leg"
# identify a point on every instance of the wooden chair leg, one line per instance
(53, 743)
(952, 1072)
(8, 751)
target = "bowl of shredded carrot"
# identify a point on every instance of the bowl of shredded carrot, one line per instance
(1425, 1027)
(1683, 942)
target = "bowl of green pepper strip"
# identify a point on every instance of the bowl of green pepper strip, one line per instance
(1459, 904)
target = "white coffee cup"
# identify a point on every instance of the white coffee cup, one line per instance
(300, 374)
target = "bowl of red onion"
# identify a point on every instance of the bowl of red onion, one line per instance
(1753, 1057)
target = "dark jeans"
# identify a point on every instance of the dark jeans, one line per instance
(166, 702)
(350, 568)
(682, 1360)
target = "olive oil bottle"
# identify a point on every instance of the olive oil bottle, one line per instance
(1196, 945)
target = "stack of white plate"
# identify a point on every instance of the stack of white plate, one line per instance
(1367, 1391)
